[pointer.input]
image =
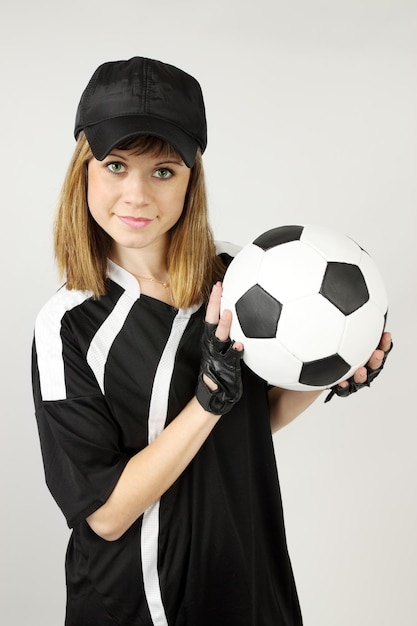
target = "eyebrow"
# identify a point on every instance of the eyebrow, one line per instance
(170, 160)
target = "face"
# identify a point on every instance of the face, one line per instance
(137, 199)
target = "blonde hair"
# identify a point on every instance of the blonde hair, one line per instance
(82, 247)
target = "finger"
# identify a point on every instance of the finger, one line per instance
(223, 322)
(376, 358)
(223, 328)
(360, 375)
(213, 306)
(385, 342)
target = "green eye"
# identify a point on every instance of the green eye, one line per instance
(163, 172)
(115, 167)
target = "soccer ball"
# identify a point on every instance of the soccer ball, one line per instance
(308, 303)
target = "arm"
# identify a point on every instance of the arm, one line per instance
(154, 469)
(285, 405)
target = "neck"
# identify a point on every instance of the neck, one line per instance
(145, 263)
(164, 282)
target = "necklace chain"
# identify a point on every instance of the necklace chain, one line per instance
(164, 283)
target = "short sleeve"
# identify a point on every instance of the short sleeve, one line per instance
(80, 439)
(81, 458)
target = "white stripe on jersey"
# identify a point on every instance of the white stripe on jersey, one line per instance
(157, 417)
(49, 344)
(103, 339)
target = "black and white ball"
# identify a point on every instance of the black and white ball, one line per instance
(308, 303)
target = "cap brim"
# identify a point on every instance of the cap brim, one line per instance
(106, 135)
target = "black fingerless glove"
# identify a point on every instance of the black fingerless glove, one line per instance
(343, 392)
(221, 363)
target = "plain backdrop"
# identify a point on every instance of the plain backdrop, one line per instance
(312, 113)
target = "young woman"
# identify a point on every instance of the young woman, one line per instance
(156, 439)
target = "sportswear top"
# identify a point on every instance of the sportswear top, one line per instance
(108, 375)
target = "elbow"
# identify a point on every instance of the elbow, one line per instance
(106, 529)
(107, 534)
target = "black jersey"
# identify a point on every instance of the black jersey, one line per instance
(108, 375)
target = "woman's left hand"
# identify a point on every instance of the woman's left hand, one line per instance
(363, 376)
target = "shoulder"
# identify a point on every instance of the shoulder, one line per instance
(226, 251)
(227, 248)
(62, 301)
(51, 314)
(48, 342)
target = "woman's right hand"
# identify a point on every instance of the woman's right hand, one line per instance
(219, 384)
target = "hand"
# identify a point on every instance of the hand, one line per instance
(363, 376)
(219, 385)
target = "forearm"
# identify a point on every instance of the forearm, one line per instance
(153, 470)
(285, 405)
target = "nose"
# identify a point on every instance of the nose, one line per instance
(136, 191)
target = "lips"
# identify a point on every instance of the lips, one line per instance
(134, 222)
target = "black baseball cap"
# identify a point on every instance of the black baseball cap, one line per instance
(142, 97)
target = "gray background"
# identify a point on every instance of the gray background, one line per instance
(312, 118)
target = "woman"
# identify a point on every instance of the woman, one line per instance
(175, 511)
